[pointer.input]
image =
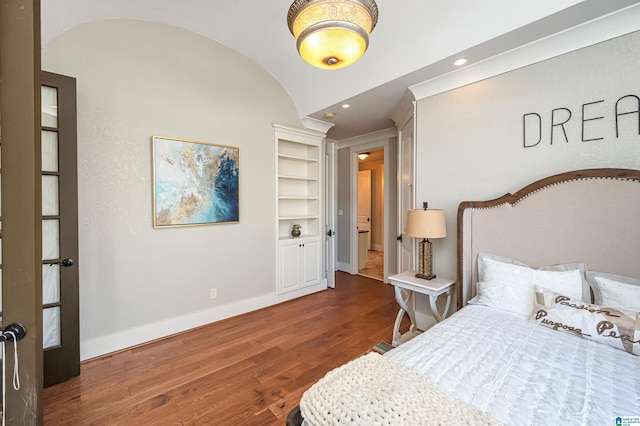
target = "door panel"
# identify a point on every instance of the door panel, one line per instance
(311, 262)
(329, 214)
(60, 330)
(289, 266)
(405, 194)
(60, 315)
(364, 204)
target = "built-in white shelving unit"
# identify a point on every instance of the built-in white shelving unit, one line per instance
(298, 189)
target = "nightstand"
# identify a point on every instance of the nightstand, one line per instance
(432, 288)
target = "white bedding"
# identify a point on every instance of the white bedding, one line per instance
(521, 373)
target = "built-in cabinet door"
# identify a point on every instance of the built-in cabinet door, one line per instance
(299, 264)
(289, 266)
(310, 262)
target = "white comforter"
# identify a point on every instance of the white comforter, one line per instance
(523, 374)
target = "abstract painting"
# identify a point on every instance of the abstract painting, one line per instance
(194, 183)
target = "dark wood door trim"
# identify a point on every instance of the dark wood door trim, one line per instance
(22, 201)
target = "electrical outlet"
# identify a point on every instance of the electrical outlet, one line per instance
(214, 293)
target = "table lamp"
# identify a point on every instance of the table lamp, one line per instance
(425, 224)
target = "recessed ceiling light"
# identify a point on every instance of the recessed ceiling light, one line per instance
(460, 61)
(329, 115)
(346, 106)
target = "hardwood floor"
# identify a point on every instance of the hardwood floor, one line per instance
(374, 268)
(247, 370)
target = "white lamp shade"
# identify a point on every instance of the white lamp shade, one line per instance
(428, 223)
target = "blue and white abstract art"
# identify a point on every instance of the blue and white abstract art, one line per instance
(194, 183)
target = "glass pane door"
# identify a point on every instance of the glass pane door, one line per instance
(50, 219)
(60, 279)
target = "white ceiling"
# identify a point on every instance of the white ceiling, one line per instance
(414, 41)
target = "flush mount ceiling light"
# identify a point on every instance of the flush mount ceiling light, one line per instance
(363, 155)
(332, 34)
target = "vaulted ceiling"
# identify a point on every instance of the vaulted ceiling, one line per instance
(414, 41)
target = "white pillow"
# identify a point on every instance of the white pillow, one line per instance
(564, 282)
(504, 296)
(592, 275)
(619, 295)
(487, 256)
(582, 267)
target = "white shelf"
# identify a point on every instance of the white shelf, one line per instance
(301, 217)
(289, 237)
(298, 178)
(298, 158)
(293, 197)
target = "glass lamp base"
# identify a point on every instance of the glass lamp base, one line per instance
(425, 260)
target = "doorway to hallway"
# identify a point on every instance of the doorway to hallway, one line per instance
(371, 214)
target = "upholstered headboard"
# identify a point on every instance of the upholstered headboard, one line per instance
(590, 216)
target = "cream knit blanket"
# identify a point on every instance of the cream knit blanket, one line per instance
(374, 390)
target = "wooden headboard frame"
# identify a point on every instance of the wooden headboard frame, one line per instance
(590, 216)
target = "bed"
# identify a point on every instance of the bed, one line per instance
(547, 329)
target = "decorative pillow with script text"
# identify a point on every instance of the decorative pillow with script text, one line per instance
(610, 326)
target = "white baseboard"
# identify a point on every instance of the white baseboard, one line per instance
(92, 348)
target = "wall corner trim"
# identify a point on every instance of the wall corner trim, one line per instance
(311, 123)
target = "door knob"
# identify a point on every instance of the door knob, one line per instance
(13, 332)
(66, 263)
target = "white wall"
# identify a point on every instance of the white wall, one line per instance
(137, 79)
(470, 140)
